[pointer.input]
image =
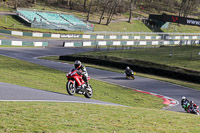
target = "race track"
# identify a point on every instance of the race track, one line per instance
(145, 84)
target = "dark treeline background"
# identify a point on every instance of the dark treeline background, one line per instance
(108, 8)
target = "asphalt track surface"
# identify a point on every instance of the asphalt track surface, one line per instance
(12, 92)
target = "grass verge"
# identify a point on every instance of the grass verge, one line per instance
(74, 117)
(34, 76)
(180, 28)
(135, 26)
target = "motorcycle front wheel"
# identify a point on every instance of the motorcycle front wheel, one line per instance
(70, 88)
(89, 92)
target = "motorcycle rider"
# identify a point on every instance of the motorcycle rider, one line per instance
(82, 71)
(191, 106)
(184, 103)
(128, 71)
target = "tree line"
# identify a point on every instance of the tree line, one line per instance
(106, 9)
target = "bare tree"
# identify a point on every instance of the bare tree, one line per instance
(130, 11)
(4, 2)
(183, 2)
(71, 5)
(112, 10)
(104, 4)
(97, 5)
(16, 4)
(190, 6)
(68, 2)
(84, 5)
(187, 6)
(88, 16)
(34, 2)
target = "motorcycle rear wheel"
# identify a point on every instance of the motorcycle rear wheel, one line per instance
(70, 88)
(89, 94)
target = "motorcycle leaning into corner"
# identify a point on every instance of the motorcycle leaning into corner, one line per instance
(186, 105)
(131, 75)
(76, 84)
(194, 110)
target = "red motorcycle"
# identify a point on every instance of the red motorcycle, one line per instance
(76, 84)
(194, 110)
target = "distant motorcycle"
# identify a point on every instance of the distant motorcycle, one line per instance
(130, 76)
(76, 84)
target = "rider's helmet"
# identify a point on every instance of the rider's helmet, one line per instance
(77, 64)
(127, 68)
(191, 102)
(183, 98)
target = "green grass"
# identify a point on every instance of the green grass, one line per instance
(31, 75)
(135, 26)
(178, 82)
(9, 21)
(184, 57)
(182, 28)
(75, 118)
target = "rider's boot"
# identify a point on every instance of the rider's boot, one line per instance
(88, 88)
(87, 84)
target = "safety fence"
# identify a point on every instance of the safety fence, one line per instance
(136, 36)
(23, 43)
(31, 34)
(129, 43)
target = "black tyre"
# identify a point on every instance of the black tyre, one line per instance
(133, 77)
(89, 92)
(70, 88)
